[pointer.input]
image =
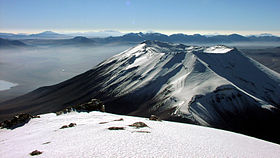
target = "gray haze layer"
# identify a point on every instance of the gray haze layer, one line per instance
(34, 67)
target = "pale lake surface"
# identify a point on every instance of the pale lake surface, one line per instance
(4, 85)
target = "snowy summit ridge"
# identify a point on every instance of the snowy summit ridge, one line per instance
(212, 86)
(183, 78)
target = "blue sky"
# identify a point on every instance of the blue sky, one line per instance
(166, 16)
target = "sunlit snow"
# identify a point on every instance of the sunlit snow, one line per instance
(217, 49)
(92, 139)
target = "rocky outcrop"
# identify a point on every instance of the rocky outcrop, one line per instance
(17, 121)
(116, 128)
(154, 118)
(93, 105)
(139, 125)
(68, 126)
(36, 152)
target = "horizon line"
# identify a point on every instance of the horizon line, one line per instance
(166, 32)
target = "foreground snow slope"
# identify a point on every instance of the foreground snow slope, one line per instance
(92, 139)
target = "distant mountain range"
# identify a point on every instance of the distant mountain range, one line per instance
(42, 35)
(76, 41)
(5, 43)
(99, 34)
(139, 37)
(196, 38)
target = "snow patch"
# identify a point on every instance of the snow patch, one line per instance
(5, 85)
(217, 49)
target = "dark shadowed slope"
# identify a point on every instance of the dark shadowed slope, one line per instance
(5, 43)
(270, 57)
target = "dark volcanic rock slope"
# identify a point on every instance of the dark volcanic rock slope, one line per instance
(212, 86)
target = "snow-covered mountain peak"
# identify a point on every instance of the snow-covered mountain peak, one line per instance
(218, 49)
(164, 47)
(176, 76)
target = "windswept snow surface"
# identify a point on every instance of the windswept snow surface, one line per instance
(92, 139)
